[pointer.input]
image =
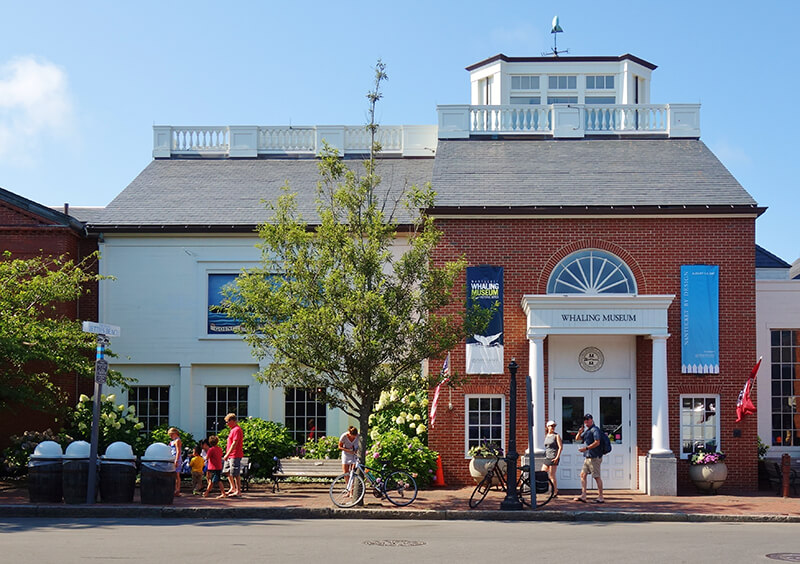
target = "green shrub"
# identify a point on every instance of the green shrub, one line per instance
(404, 410)
(160, 435)
(324, 447)
(15, 457)
(117, 422)
(263, 440)
(400, 452)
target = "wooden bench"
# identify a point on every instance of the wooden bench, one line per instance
(775, 474)
(304, 468)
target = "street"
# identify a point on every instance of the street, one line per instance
(332, 541)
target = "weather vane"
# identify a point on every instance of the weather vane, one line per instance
(556, 29)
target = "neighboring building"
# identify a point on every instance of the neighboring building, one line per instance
(28, 230)
(778, 343)
(598, 206)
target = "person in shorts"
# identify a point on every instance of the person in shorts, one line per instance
(214, 461)
(233, 456)
(552, 453)
(593, 457)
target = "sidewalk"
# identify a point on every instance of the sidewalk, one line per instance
(311, 501)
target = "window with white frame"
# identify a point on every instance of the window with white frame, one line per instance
(600, 82)
(526, 100)
(151, 404)
(525, 82)
(485, 420)
(304, 416)
(699, 424)
(785, 357)
(222, 400)
(562, 82)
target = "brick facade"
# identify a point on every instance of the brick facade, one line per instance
(28, 234)
(654, 248)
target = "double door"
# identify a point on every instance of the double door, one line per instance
(611, 411)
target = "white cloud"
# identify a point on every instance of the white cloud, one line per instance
(34, 104)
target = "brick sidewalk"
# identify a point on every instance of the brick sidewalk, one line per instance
(451, 501)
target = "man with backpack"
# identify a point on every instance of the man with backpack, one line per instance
(593, 457)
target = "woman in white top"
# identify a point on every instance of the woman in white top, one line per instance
(348, 444)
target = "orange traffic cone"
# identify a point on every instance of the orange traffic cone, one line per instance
(439, 478)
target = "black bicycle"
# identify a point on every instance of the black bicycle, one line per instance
(397, 486)
(495, 479)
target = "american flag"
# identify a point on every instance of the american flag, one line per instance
(445, 376)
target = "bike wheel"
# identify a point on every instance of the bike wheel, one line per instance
(345, 493)
(544, 492)
(480, 491)
(524, 487)
(400, 488)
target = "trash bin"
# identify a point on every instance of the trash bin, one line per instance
(118, 473)
(158, 475)
(44, 473)
(75, 472)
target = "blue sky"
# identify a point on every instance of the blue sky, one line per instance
(82, 83)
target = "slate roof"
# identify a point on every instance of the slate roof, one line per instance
(765, 259)
(586, 172)
(220, 194)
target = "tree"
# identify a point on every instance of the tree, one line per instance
(332, 307)
(36, 340)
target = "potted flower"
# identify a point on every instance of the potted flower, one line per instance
(707, 470)
(484, 457)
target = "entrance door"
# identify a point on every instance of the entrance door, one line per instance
(611, 411)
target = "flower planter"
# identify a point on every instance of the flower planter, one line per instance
(708, 477)
(479, 467)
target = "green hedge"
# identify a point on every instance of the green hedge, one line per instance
(263, 440)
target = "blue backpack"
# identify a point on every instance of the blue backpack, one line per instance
(605, 443)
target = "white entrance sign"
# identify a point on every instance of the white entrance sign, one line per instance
(101, 329)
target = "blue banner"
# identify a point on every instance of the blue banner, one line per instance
(699, 319)
(485, 288)
(219, 322)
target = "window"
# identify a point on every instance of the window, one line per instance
(218, 322)
(304, 415)
(525, 82)
(564, 82)
(600, 100)
(562, 99)
(699, 424)
(151, 404)
(485, 420)
(785, 349)
(600, 82)
(591, 271)
(530, 100)
(222, 400)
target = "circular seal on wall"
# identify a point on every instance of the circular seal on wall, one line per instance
(591, 359)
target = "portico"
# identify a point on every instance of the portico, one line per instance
(591, 367)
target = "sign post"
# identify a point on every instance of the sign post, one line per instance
(102, 331)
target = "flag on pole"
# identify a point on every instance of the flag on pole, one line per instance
(445, 376)
(745, 405)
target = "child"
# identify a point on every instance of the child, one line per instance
(214, 457)
(196, 464)
(176, 447)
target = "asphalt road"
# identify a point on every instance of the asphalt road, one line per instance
(353, 541)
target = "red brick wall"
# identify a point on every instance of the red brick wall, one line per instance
(28, 235)
(654, 249)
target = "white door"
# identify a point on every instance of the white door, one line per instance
(611, 411)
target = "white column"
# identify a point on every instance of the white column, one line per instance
(536, 384)
(185, 418)
(660, 400)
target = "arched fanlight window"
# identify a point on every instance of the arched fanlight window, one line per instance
(591, 271)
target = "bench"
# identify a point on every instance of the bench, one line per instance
(775, 474)
(304, 468)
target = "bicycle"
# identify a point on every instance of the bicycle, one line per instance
(496, 478)
(397, 486)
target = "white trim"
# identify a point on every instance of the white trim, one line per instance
(682, 455)
(467, 397)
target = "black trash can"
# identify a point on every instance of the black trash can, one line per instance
(118, 474)
(75, 472)
(158, 475)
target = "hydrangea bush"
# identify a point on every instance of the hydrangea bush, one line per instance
(401, 452)
(16, 457)
(406, 411)
(324, 447)
(263, 440)
(117, 422)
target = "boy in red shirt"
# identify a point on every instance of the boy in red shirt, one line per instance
(214, 459)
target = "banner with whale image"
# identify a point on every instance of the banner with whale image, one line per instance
(485, 288)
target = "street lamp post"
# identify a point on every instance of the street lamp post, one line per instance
(512, 501)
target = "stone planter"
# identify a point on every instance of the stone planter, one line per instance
(479, 467)
(708, 477)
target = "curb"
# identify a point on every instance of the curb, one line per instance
(202, 513)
